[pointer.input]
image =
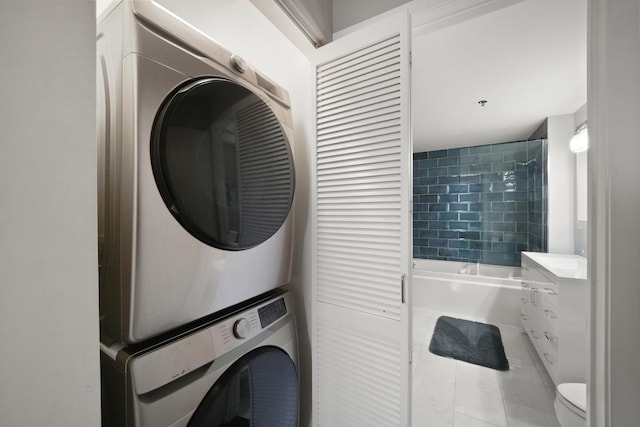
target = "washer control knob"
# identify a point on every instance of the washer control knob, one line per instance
(241, 328)
(238, 64)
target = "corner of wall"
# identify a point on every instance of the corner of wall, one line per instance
(580, 115)
(49, 260)
(581, 197)
(561, 173)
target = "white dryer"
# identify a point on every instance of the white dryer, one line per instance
(195, 175)
(240, 370)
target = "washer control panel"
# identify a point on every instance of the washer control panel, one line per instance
(175, 359)
(272, 312)
(241, 328)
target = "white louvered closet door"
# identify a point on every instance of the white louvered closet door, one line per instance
(362, 228)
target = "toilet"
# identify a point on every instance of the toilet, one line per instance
(571, 404)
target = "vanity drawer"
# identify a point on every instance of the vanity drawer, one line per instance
(547, 352)
(550, 291)
(550, 338)
(549, 359)
(549, 310)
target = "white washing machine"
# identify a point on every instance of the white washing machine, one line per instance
(240, 370)
(195, 175)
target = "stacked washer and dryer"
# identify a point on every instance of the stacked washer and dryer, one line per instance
(196, 182)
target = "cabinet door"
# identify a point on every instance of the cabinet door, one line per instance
(529, 299)
(525, 304)
(541, 314)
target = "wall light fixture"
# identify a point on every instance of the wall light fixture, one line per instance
(580, 140)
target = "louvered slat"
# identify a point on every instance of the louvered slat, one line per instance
(351, 363)
(367, 207)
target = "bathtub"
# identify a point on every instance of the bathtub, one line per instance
(487, 293)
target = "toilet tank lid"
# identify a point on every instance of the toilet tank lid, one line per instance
(576, 393)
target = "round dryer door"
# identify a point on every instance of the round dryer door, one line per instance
(222, 163)
(258, 390)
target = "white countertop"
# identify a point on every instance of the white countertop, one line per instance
(561, 265)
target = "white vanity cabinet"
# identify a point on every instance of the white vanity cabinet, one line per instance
(554, 298)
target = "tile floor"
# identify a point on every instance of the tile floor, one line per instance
(450, 393)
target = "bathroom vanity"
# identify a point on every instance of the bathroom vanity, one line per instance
(554, 307)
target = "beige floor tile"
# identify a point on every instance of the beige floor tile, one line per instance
(522, 384)
(463, 420)
(478, 394)
(525, 416)
(433, 402)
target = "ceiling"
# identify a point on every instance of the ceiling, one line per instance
(527, 60)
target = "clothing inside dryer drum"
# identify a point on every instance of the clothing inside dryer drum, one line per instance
(259, 390)
(222, 163)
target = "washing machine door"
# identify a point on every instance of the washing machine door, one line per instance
(258, 390)
(222, 163)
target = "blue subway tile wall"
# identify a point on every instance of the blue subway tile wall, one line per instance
(480, 204)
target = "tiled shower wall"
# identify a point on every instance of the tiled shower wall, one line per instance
(480, 204)
(537, 184)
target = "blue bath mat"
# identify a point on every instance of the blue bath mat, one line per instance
(472, 342)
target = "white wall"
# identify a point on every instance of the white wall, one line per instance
(614, 207)
(579, 116)
(350, 12)
(241, 28)
(48, 244)
(101, 6)
(561, 191)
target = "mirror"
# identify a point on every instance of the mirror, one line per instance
(581, 187)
